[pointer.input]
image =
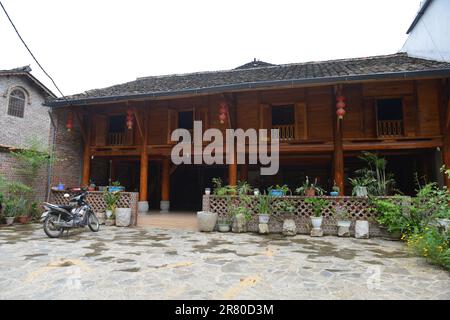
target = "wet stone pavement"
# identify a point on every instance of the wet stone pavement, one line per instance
(178, 264)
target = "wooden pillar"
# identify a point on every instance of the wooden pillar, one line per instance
(165, 180)
(232, 172)
(338, 157)
(86, 153)
(143, 188)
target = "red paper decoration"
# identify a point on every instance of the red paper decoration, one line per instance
(69, 123)
(222, 112)
(340, 106)
(129, 119)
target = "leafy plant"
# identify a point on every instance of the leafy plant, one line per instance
(318, 205)
(284, 206)
(220, 190)
(243, 188)
(360, 182)
(307, 185)
(264, 205)
(335, 187)
(433, 245)
(381, 182)
(116, 184)
(111, 199)
(341, 213)
(33, 157)
(433, 201)
(239, 205)
(389, 214)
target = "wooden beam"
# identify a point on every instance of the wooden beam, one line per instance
(86, 156)
(139, 123)
(143, 187)
(338, 157)
(165, 180)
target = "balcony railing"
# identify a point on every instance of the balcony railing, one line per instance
(116, 139)
(390, 128)
(287, 132)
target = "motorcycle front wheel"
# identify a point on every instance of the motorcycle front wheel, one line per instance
(93, 223)
(50, 229)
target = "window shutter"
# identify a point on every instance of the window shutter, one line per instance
(409, 116)
(100, 130)
(172, 123)
(301, 121)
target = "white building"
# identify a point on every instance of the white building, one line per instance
(429, 34)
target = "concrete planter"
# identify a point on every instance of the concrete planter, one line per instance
(362, 229)
(101, 216)
(263, 218)
(143, 206)
(206, 221)
(344, 228)
(110, 222)
(9, 221)
(224, 227)
(316, 222)
(123, 217)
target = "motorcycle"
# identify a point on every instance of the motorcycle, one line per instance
(78, 214)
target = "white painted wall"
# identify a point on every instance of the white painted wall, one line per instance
(430, 38)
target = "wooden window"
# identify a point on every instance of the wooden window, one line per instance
(283, 119)
(116, 130)
(16, 104)
(390, 117)
(186, 120)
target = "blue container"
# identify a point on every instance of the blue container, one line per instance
(334, 194)
(115, 189)
(277, 193)
(61, 187)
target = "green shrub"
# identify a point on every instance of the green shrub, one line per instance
(433, 245)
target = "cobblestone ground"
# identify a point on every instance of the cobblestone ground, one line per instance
(177, 264)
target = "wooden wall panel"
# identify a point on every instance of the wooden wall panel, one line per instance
(301, 121)
(286, 96)
(392, 88)
(248, 110)
(100, 126)
(352, 125)
(410, 116)
(369, 118)
(320, 117)
(157, 123)
(428, 107)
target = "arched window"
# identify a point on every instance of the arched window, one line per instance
(16, 105)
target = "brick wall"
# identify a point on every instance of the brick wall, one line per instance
(68, 149)
(16, 132)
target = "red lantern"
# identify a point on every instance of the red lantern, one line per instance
(340, 106)
(340, 113)
(69, 124)
(222, 112)
(129, 119)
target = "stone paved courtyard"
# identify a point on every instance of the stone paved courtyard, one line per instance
(178, 264)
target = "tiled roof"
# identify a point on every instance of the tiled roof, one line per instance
(398, 65)
(26, 71)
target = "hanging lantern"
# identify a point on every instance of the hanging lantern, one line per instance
(69, 123)
(340, 106)
(222, 112)
(129, 119)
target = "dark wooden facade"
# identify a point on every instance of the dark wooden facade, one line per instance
(422, 123)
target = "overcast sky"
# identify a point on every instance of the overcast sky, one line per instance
(87, 44)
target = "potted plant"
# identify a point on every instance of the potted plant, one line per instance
(279, 191)
(221, 190)
(342, 218)
(206, 220)
(360, 185)
(111, 199)
(91, 186)
(318, 205)
(9, 212)
(335, 190)
(224, 224)
(309, 189)
(286, 208)
(22, 212)
(264, 208)
(115, 186)
(390, 216)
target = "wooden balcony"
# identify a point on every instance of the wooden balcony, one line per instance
(390, 128)
(116, 139)
(287, 132)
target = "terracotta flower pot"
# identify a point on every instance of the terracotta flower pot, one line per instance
(23, 219)
(310, 192)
